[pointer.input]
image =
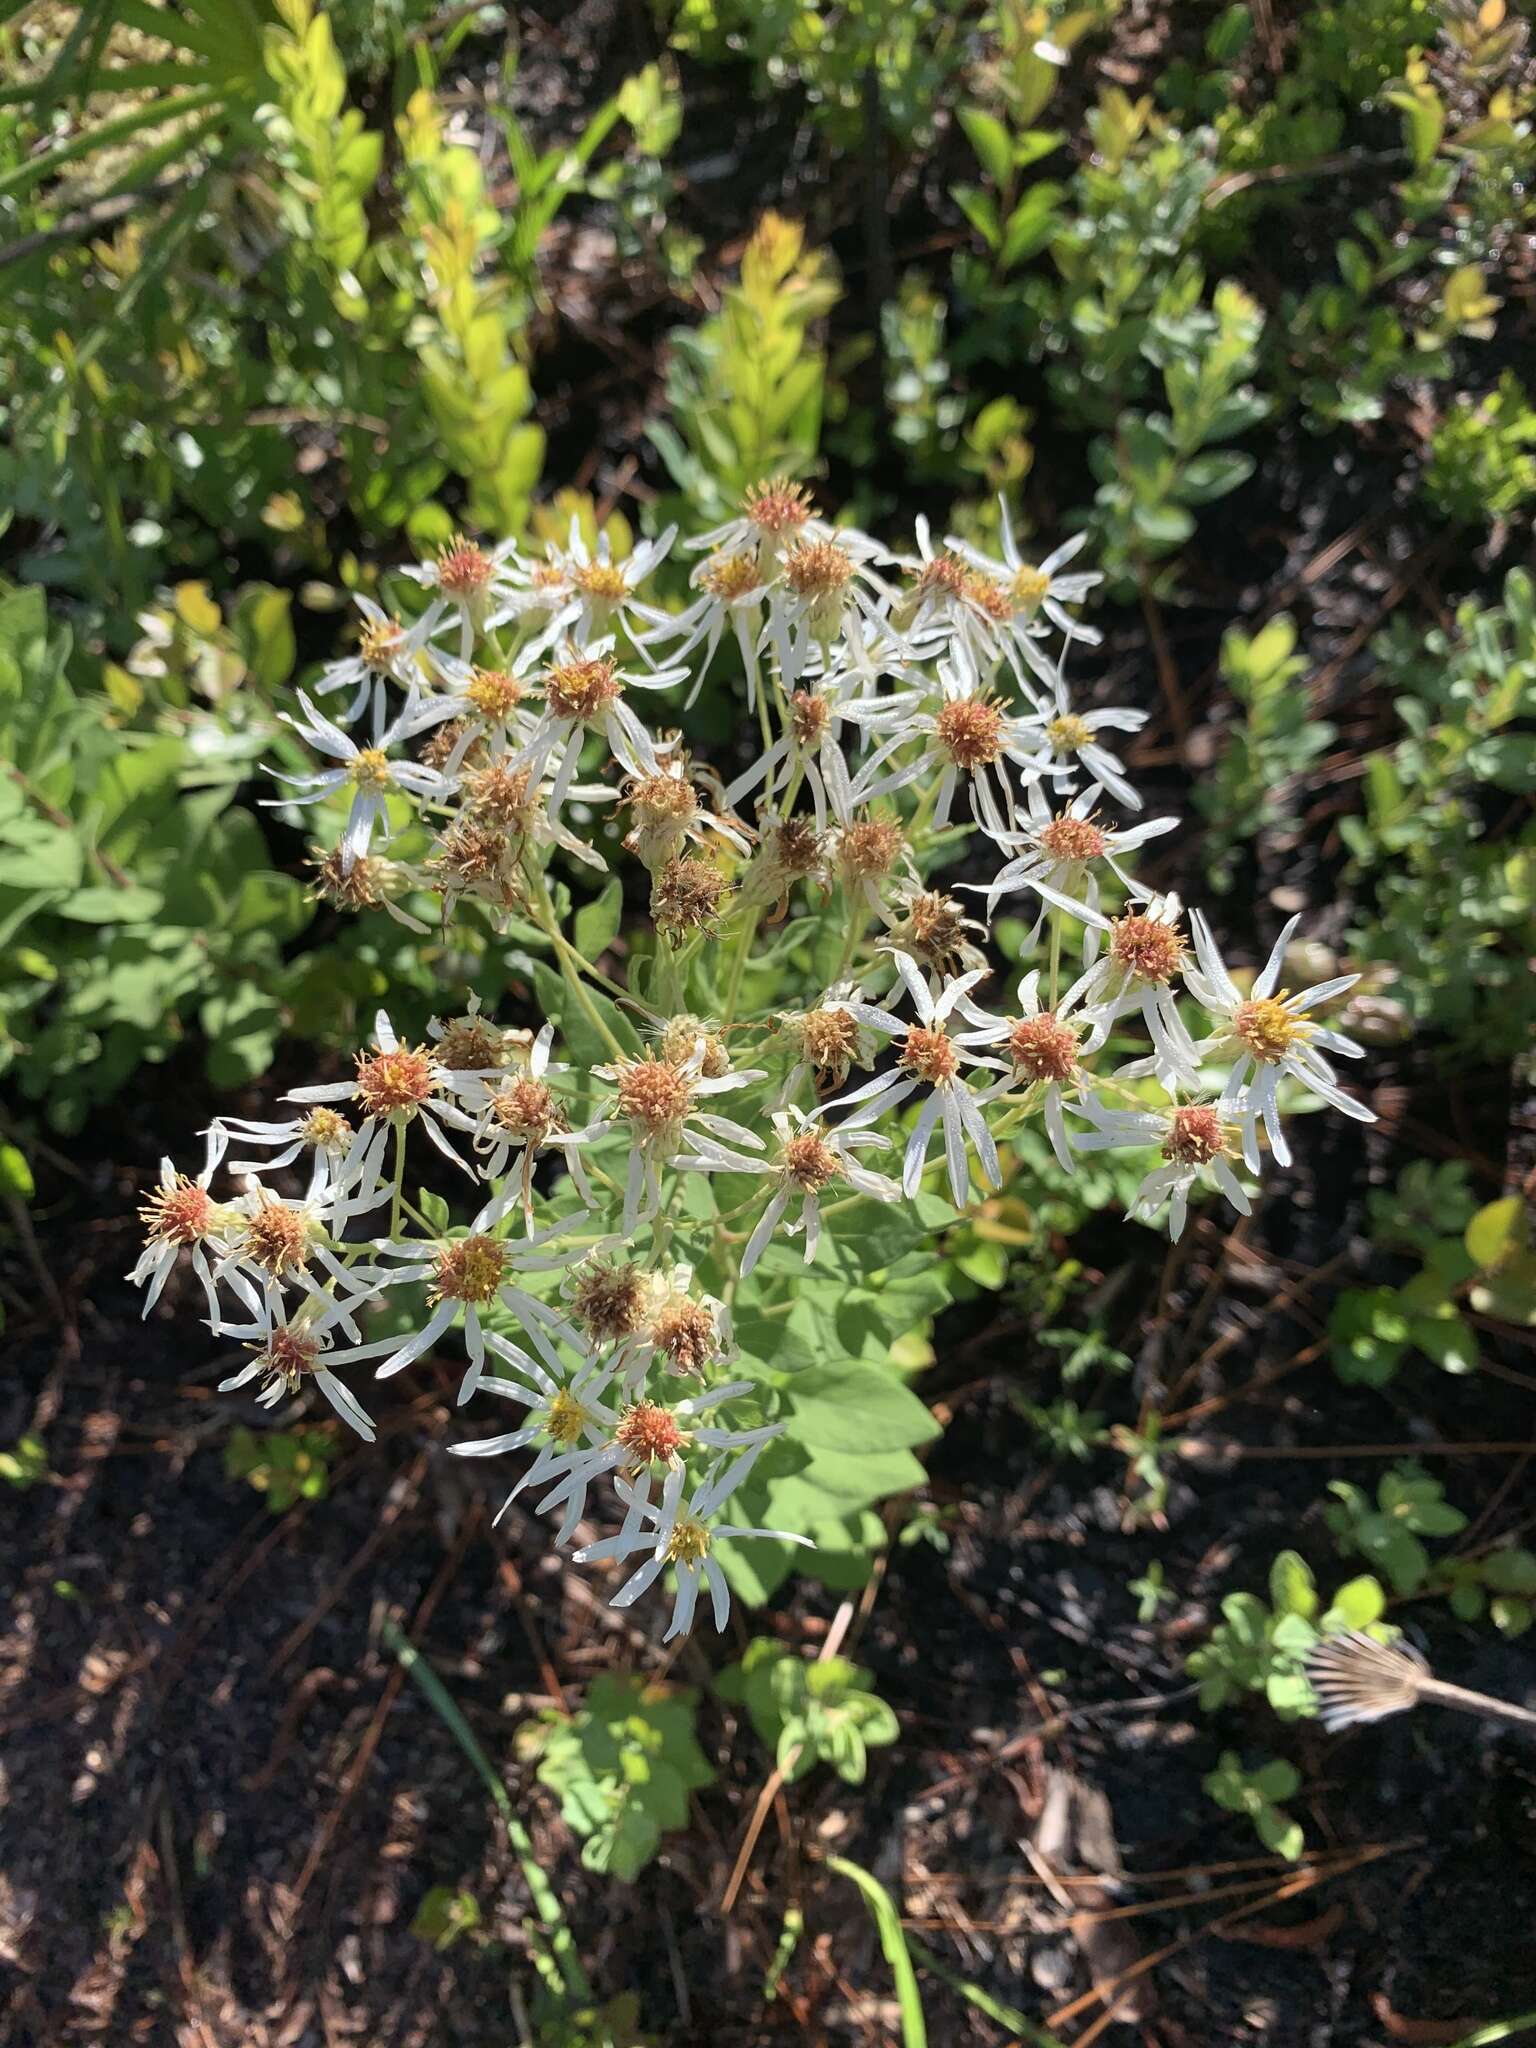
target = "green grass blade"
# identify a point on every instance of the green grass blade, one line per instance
(882, 1907)
(1500, 2030)
(1006, 2015)
(91, 139)
(546, 1900)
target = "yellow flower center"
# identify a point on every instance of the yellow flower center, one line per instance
(371, 769)
(469, 1269)
(1267, 1028)
(380, 641)
(565, 1419)
(1029, 586)
(729, 577)
(1067, 733)
(688, 1543)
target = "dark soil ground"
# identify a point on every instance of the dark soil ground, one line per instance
(221, 1801)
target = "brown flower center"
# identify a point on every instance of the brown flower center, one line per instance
(1148, 948)
(470, 1045)
(930, 1055)
(945, 576)
(662, 799)
(654, 1094)
(810, 1162)
(830, 1040)
(380, 641)
(525, 1108)
(1195, 1135)
(778, 506)
(809, 717)
(463, 570)
(608, 1301)
(580, 689)
(1069, 838)
(970, 731)
(818, 569)
(649, 1431)
(1043, 1047)
(500, 793)
(686, 895)
(179, 1214)
(395, 1083)
(276, 1237)
(870, 848)
(469, 1269)
(684, 1332)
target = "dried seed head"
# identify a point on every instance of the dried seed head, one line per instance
(501, 795)
(1149, 949)
(179, 1214)
(1043, 1048)
(1357, 1679)
(946, 576)
(730, 577)
(371, 770)
(326, 1130)
(380, 642)
(869, 848)
(933, 926)
(276, 1237)
(396, 1083)
(438, 747)
(471, 1045)
(661, 799)
(463, 570)
(608, 1301)
(829, 1039)
(685, 1333)
(366, 885)
(688, 1542)
(471, 852)
(493, 692)
(604, 581)
(1196, 1135)
(778, 507)
(682, 1036)
(818, 569)
(287, 1355)
(1267, 1028)
(654, 1094)
(1029, 587)
(581, 688)
(469, 1269)
(1069, 733)
(687, 895)
(650, 1432)
(525, 1108)
(1069, 838)
(930, 1055)
(809, 717)
(795, 847)
(970, 730)
(810, 1162)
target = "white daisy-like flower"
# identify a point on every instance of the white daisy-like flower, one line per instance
(1196, 1139)
(1038, 592)
(679, 1534)
(930, 1056)
(809, 750)
(658, 1100)
(825, 593)
(810, 1157)
(1058, 855)
(776, 515)
(472, 583)
(370, 771)
(1071, 743)
(466, 1276)
(395, 1086)
(667, 812)
(601, 594)
(179, 1215)
(1043, 1047)
(842, 1031)
(325, 1135)
(387, 652)
(965, 739)
(574, 1421)
(733, 591)
(1269, 1035)
(290, 1352)
(518, 1120)
(650, 1434)
(1145, 955)
(949, 597)
(265, 1237)
(584, 692)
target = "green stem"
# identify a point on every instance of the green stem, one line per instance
(571, 962)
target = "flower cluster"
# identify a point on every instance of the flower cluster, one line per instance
(900, 706)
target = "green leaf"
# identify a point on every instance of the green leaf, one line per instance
(856, 1408)
(914, 2032)
(1496, 1231)
(15, 1174)
(1292, 1589)
(596, 923)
